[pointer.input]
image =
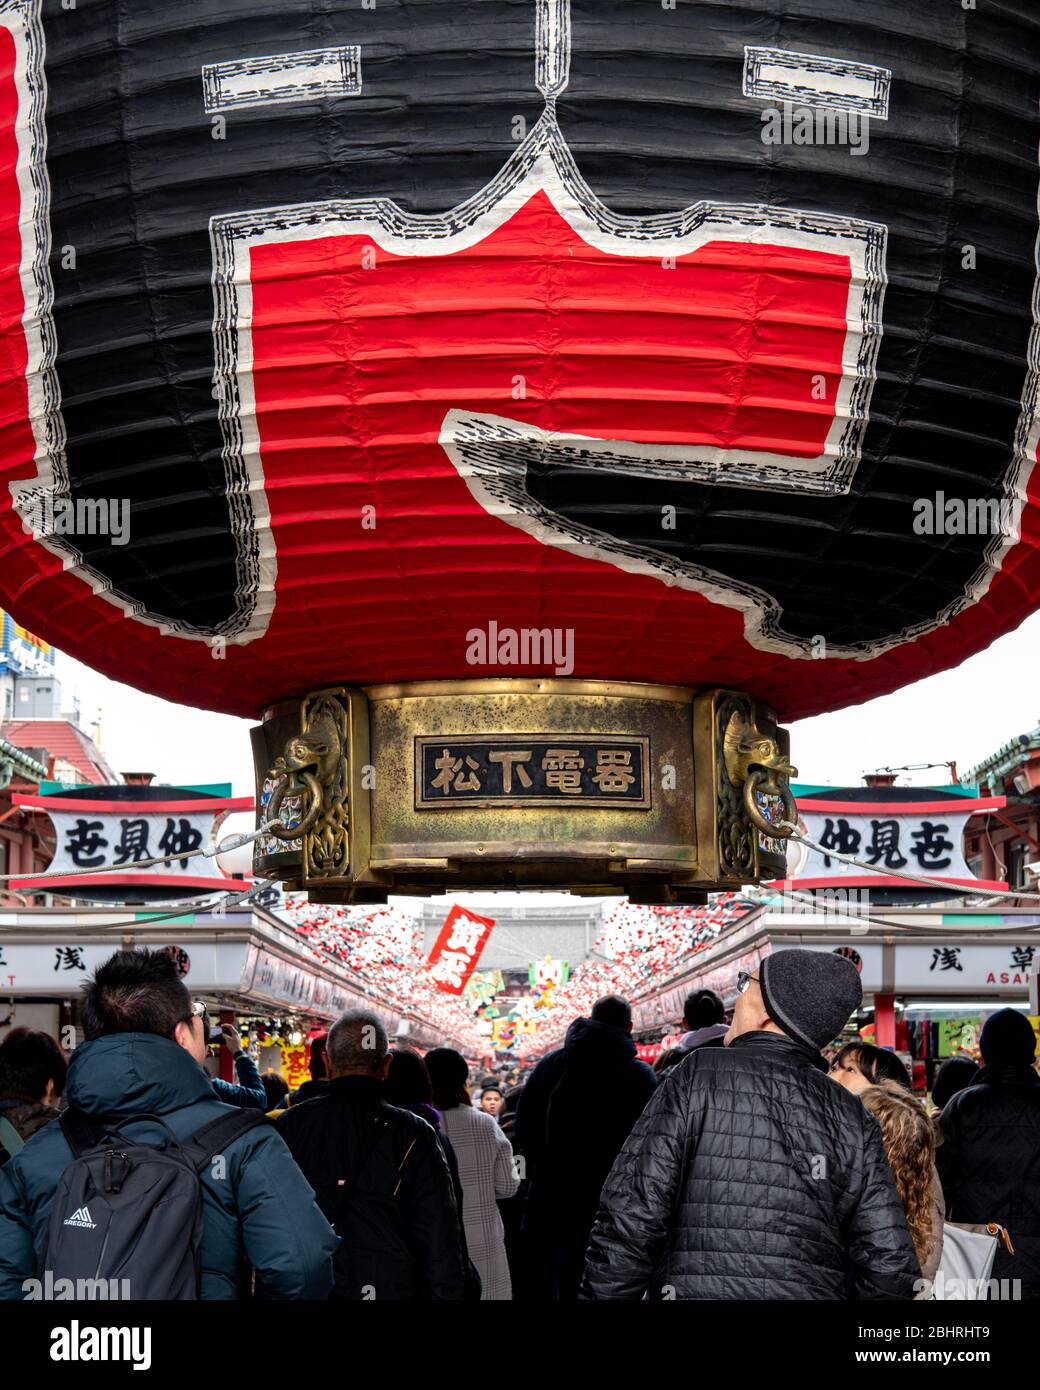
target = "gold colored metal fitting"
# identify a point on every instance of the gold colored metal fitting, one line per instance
(313, 758)
(755, 762)
(659, 792)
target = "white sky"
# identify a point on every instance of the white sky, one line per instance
(964, 714)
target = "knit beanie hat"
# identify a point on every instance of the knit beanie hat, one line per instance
(1007, 1039)
(810, 994)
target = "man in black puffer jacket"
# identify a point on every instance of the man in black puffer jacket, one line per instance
(379, 1175)
(989, 1158)
(575, 1112)
(751, 1175)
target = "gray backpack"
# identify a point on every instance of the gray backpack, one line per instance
(125, 1210)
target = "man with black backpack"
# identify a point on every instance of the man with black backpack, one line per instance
(379, 1174)
(147, 1173)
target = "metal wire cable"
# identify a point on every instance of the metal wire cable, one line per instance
(199, 906)
(867, 916)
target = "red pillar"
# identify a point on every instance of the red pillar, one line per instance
(227, 1065)
(885, 1020)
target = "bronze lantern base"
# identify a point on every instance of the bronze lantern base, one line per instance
(597, 787)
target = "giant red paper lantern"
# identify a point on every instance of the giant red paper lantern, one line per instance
(389, 324)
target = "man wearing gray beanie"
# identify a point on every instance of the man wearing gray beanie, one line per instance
(750, 1174)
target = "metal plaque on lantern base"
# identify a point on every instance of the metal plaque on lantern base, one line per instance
(658, 792)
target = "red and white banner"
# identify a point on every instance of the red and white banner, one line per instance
(924, 838)
(109, 839)
(458, 948)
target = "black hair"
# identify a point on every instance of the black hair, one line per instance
(702, 1009)
(449, 1072)
(954, 1074)
(276, 1088)
(135, 992)
(613, 1010)
(670, 1057)
(1007, 1040)
(319, 1057)
(510, 1101)
(875, 1063)
(408, 1080)
(28, 1060)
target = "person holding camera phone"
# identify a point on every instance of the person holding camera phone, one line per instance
(249, 1093)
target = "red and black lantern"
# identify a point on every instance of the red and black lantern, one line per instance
(332, 334)
(349, 348)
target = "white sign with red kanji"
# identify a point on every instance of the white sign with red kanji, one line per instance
(458, 948)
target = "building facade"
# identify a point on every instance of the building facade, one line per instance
(1004, 844)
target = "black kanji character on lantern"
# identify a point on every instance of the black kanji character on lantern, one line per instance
(946, 958)
(180, 837)
(931, 853)
(1022, 957)
(83, 844)
(68, 958)
(840, 837)
(884, 844)
(133, 841)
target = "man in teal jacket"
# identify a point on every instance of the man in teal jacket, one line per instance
(143, 1056)
(249, 1093)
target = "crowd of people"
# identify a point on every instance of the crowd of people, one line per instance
(745, 1165)
(637, 946)
(383, 949)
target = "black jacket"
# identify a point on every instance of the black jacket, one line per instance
(989, 1163)
(751, 1175)
(576, 1111)
(399, 1228)
(310, 1090)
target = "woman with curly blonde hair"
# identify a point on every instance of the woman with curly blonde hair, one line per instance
(909, 1139)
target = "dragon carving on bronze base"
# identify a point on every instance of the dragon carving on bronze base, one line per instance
(313, 764)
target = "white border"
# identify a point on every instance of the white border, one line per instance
(808, 77)
(283, 77)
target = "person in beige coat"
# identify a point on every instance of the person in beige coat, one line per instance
(486, 1169)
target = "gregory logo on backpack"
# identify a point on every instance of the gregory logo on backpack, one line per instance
(80, 1218)
(135, 1207)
